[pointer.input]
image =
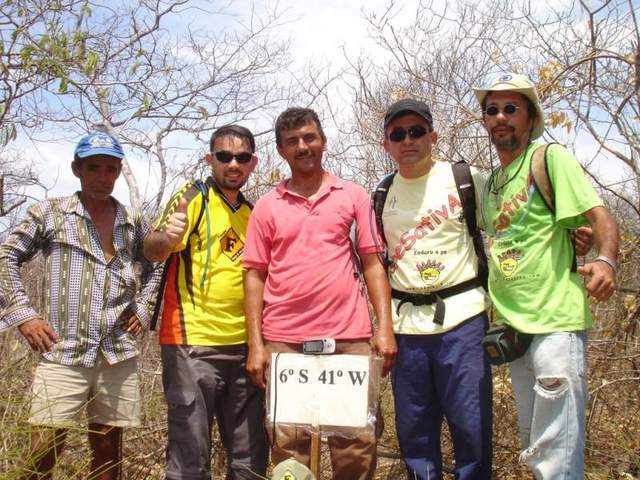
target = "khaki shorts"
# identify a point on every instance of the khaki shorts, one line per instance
(111, 394)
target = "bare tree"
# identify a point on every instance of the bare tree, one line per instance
(127, 68)
(25, 71)
(586, 62)
(16, 176)
(585, 59)
(29, 33)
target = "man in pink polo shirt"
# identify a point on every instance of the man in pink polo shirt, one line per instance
(302, 278)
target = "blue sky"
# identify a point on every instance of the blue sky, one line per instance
(320, 34)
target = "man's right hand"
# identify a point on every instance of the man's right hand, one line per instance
(177, 223)
(39, 334)
(257, 363)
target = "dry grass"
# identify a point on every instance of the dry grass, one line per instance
(613, 445)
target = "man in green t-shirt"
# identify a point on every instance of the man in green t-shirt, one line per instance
(533, 283)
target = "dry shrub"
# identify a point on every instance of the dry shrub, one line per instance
(613, 416)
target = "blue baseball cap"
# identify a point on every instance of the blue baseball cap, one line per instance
(99, 143)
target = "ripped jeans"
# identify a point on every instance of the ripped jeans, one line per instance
(550, 387)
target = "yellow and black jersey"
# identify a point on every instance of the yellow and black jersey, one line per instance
(203, 291)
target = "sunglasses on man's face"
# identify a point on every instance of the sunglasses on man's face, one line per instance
(399, 134)
(508, 109)
(223, 156)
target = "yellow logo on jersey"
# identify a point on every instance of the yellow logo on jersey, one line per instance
(509, 262)
(231, 245)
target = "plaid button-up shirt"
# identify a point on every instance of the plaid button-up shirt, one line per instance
(86, 297)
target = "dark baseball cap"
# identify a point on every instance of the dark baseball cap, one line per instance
(408, 105)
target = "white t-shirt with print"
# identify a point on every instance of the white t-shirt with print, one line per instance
(430, 248)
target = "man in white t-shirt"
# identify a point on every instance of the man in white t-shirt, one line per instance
(441, 370)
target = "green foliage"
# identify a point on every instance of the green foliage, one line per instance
(146, 102)
(64, 85)
(91, 63)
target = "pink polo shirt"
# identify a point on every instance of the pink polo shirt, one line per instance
(312, 288)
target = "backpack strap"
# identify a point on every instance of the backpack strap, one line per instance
(160, 299)
(378, 198)
(436, 298)
(202, 189)
(467, 193)
(539, 173)
(204, 207)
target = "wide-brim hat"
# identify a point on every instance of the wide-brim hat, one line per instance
(513, 82)
(99, 143)
(291, 469)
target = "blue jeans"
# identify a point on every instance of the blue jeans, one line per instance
(550, 386)
(439, 376)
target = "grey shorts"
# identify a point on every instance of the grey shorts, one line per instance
(201, 383)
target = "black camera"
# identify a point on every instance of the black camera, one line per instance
(503, 344)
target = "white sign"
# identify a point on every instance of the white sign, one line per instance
(319, 389)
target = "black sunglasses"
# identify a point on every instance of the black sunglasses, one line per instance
(399, 134)
(223, 156)
(508, 109)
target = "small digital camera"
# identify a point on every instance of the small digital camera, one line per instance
(323, 346)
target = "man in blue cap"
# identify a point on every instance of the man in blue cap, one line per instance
(91, 310)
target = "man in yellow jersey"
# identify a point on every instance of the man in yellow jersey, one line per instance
(202, 334)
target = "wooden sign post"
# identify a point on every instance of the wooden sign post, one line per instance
(315, 454)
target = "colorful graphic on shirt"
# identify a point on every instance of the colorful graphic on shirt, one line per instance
(509, 210)
(509, 262)
(430, 271)
(431, 221)
(231, 245)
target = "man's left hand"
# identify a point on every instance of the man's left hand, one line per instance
(601, 279)
(583, 240)
(133, 325)
(384, 346)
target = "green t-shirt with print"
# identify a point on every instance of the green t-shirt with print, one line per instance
(530, 279)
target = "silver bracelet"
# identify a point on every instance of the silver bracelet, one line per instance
(609, 261)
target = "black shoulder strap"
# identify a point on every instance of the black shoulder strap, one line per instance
(160, 300)
(467, 193)
(202, 189)
(379, 197)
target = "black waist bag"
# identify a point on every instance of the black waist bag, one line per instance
(503, 344)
